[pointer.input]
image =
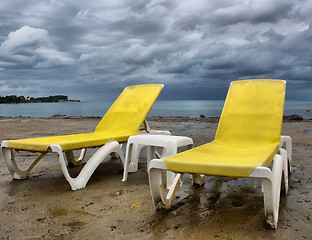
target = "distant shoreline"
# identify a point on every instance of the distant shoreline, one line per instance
(42, 102)
(14, 99)
(290, 118)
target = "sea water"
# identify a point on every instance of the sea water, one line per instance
(191, 108)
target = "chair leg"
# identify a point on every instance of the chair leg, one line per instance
(82, 179)
(198, 179)
(289, 152)
(72, 162)
(150, 155)
(288, 142)
(155, 182)
(11, 164)
(82, 154)
(134, 159)
(158, 192)
(285, 182)
(171, 150)
(127, 160)
(272, 189)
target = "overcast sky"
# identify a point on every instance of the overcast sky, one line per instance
(91, 50)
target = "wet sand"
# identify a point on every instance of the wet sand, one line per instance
(43, 206)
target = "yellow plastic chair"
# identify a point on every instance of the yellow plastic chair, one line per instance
(122, 120)
(247, 140)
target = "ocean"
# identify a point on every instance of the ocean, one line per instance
(191, 108)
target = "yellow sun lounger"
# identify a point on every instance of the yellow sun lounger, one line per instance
(247, 140)
(122, 120)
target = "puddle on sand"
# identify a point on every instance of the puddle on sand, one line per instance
(190, 210)
(237, 203)
(62, 212)
(115, 194)
(308, 130)
(75, 225)
(80, 212)
(58, 212)
(237, 200)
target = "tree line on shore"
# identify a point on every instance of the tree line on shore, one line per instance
(22, 99)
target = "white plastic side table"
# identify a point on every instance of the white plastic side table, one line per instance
(170, 145)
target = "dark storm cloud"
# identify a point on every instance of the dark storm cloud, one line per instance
(253, 12)
(92, 49)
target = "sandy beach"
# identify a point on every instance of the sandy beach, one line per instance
(43, 206)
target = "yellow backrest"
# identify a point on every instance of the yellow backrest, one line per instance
(252, 113)
(127, 113)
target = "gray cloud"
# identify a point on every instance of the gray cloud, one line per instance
(91, 50)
